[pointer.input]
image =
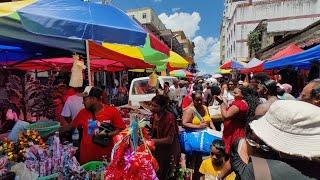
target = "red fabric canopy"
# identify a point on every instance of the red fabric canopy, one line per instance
(66, 63)
(288, 51)
(255, 69)
(158, 45)
(226, 65)
(129, 62)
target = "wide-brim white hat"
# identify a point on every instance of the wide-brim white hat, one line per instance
(291, 127)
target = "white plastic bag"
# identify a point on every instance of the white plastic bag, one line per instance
(23, 173)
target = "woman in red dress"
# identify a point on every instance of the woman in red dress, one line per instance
(165, 137)
(236, 115)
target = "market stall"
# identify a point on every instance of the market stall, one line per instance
(303, 59)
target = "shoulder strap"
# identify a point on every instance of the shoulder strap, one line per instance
(260, 168)
(196, 113)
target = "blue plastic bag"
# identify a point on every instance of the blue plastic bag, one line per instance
(198, 141)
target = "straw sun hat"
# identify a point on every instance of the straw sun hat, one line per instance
(291, 127)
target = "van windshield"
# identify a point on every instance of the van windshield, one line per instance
(141, 87)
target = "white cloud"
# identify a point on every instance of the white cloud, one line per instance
(207, 51)
(175, 9)
(189, 23)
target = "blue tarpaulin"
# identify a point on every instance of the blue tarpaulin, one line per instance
(303, 59)
(13, 50)
(76, 19)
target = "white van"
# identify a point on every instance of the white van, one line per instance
(140, 91)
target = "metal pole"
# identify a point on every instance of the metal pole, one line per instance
(88, 63)
(171, 43)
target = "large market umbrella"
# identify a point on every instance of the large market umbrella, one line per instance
(231, 64)
(176, 61)
(181, 73)
(106, 53)
(223, 71)
(75, 19)
(12, 33)
(145, 53)
(12, 50)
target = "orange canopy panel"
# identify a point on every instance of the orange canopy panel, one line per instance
(105, 53)
(288, 51)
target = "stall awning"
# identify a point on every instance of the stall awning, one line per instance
(232, 64)
(254, 65)
(288, 51)
(302, 59)
(66, 63)
(13, 50)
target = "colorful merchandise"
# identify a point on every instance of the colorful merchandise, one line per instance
(130, 162)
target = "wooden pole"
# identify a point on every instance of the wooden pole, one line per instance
(88, 74)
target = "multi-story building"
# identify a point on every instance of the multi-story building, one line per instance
(305, 39)
(149, 20)
(176, 41)
(242, 16)
(188, 45)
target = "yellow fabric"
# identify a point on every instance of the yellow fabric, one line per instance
(176, 61)
(130, 51)
(141, 70)
(206, 117)
(11, 7)
(207, 168)
(225, 71)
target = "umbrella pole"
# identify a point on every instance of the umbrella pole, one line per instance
(88, 74)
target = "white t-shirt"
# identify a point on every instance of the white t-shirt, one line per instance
(72, 106)
(229, 96)
(183, 91)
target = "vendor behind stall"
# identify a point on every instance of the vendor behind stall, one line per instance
(90, 119)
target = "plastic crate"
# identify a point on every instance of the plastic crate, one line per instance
(93, 166)
(44, 128)
(50, 177)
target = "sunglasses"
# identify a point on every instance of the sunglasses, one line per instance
(263, 147)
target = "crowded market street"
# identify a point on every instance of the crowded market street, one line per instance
(159, 90)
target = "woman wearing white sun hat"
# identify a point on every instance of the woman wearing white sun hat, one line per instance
(282, 144)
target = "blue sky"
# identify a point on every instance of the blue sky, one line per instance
(200, 19)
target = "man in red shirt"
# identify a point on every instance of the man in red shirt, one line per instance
(90, 118)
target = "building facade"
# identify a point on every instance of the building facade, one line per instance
(305, 39)
(187, 44)
(177, 41)
(281, 16)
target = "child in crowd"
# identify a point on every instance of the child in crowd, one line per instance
(211, 167)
